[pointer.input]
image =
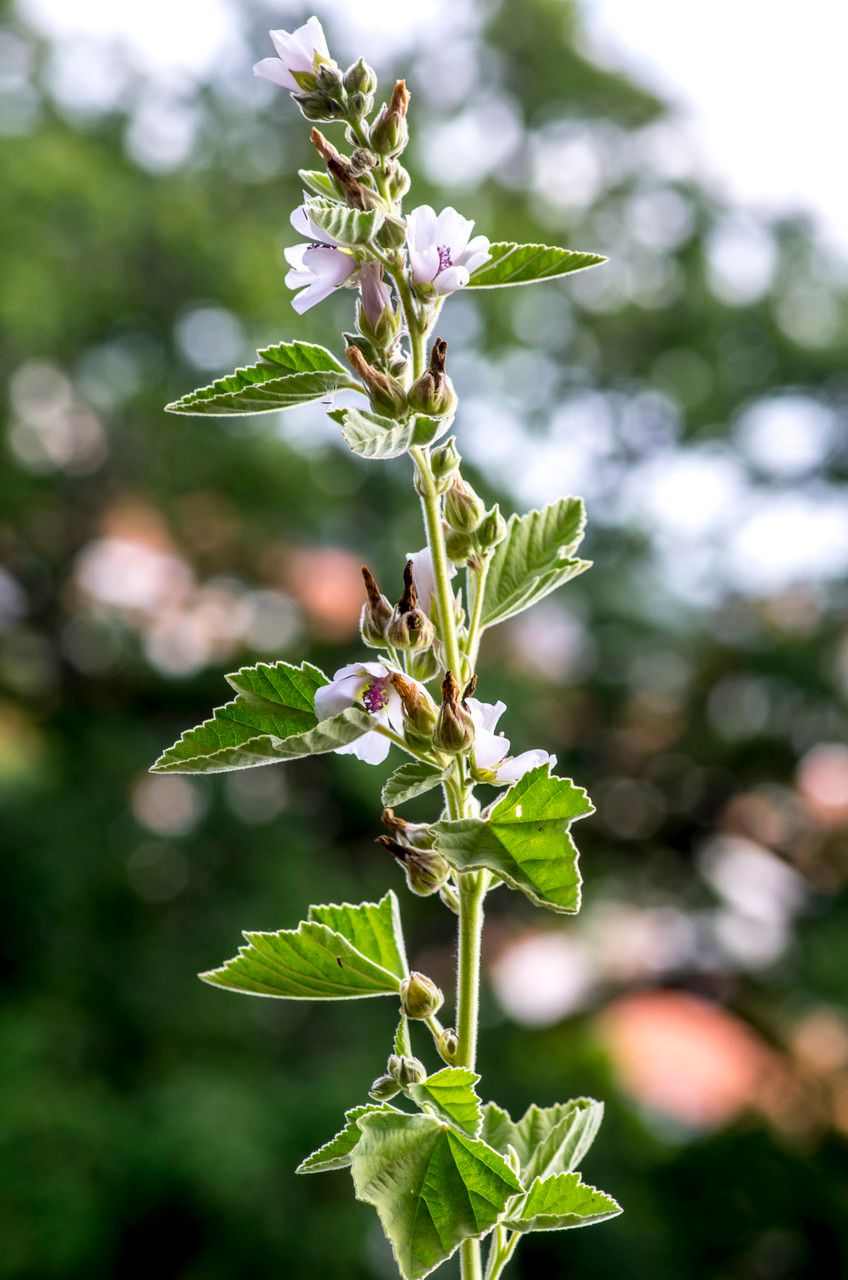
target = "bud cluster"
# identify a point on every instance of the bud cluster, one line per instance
(406, 627)
(471, 532)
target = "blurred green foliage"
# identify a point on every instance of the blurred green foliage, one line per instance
(151, 1124)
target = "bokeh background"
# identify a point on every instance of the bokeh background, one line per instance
(694, 391)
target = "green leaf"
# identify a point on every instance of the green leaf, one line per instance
(451, 1094)
(554, 1204)
(431, 1185)
(319, 183)
(372, 436)
(345, 226)
(525, 839)
(427, 429)
(410, 780)
(512, 264)
(289, 374)
(547, 1140)
(318, 962)
(402, 1042)
(374, 928)
(534, 559)
(335, 1154)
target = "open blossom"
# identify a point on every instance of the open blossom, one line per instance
(317, 268)
(491, 749)
(441, 251)
(299, 53)
(424, 577)
(368, 685)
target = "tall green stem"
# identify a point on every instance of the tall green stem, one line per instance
(431, 505)
(471, 894)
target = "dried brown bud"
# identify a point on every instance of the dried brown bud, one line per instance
(426, 871)
(390, 131)
(386, 394)
(433, 393)
(410, 628)
(419, 710)
(376, 612)
(454, 727)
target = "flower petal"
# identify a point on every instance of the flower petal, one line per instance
(277, 71)
(371, 748)
(450, 280)
(453, 231)
(515, 768)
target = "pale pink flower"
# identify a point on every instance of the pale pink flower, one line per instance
(491, 749)
(441, 252)
(318, 268)
(299, 52)
(368, 685)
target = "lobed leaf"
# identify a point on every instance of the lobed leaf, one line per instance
(535, 558)
(372, 436)
(272, 718)
(362, 956)
(451, 1094)
(513, 264)
(335, 1154)
(289, 374)
(560, 1202)
(547, 1140)
(410, 780)
(432, 1186)
(345, 226)
(525, 839)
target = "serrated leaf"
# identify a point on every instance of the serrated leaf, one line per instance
(451, 1094)
(272, 718)
(427, 430)
(335, 1154)
(431, 1185)
(535, 558)
(525, 839)
(547, 1140)
(374, 928)
(560, 1202)
(319, 183)
(512, 264)
(317, 962)
(410, 780)
(402, 1042)
(372, 436)
(289, 374)
(345, 226)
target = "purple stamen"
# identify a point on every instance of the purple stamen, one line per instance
(445, 259)
(374, 696)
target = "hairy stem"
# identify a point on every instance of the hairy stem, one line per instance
(431, 505)
(472, 891)
(472, 644)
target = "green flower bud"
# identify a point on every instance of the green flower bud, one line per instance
(329, 79)
(319, 106)
(433, 393)
(406, 1070)
(492, 530)
(383, 1088)
(458, 545)
(409, 626)
(448, 1045)
(445, 460)
(392, 234)
(390, 132)
(398, 182)
(385, 392)
(426, 871)
(420, 997)
(454, 727)
(463, 508)
(376, 612)
(423, 665)
(359, 78)
(411, 835)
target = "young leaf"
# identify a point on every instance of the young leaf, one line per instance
(431, 1185)
(272, 718)
(372, 436)
(289, 374)
(345, 226)
(318, 182)
(451, 1094)
(374, 928)
(547, 1140)
(554, 1204)
(317, 962)
(402, 1042)
(534, 559)
(525, 839)
(511, 264)
(335, 1154)
(410, 780)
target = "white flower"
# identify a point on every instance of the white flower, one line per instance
(318, 268)
(424, 577)
(299, 53)
(491, 748)
(440, 250)
(365, 684)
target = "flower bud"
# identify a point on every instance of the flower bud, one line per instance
(359, 78)
(463, 508)
(454, 727)
(426, 871)
(458, 545)
(383, 1088)
(386, 394)
(492, 530)
(448, 1045)
(420, 997)
(445, 460)
(375, 612)
(433, 393)
(390, 131)
(409, 834)
(319, 106)
(361, 161)
(329, 79)
(423, 664)
(409, 627)
(406, 1070)
(392, 234)
(419, 711)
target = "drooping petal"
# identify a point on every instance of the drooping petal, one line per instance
(451, 279)
(515, 768)
(277, 71)
(371, 748)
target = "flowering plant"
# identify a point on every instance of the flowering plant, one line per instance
(445, 1170)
